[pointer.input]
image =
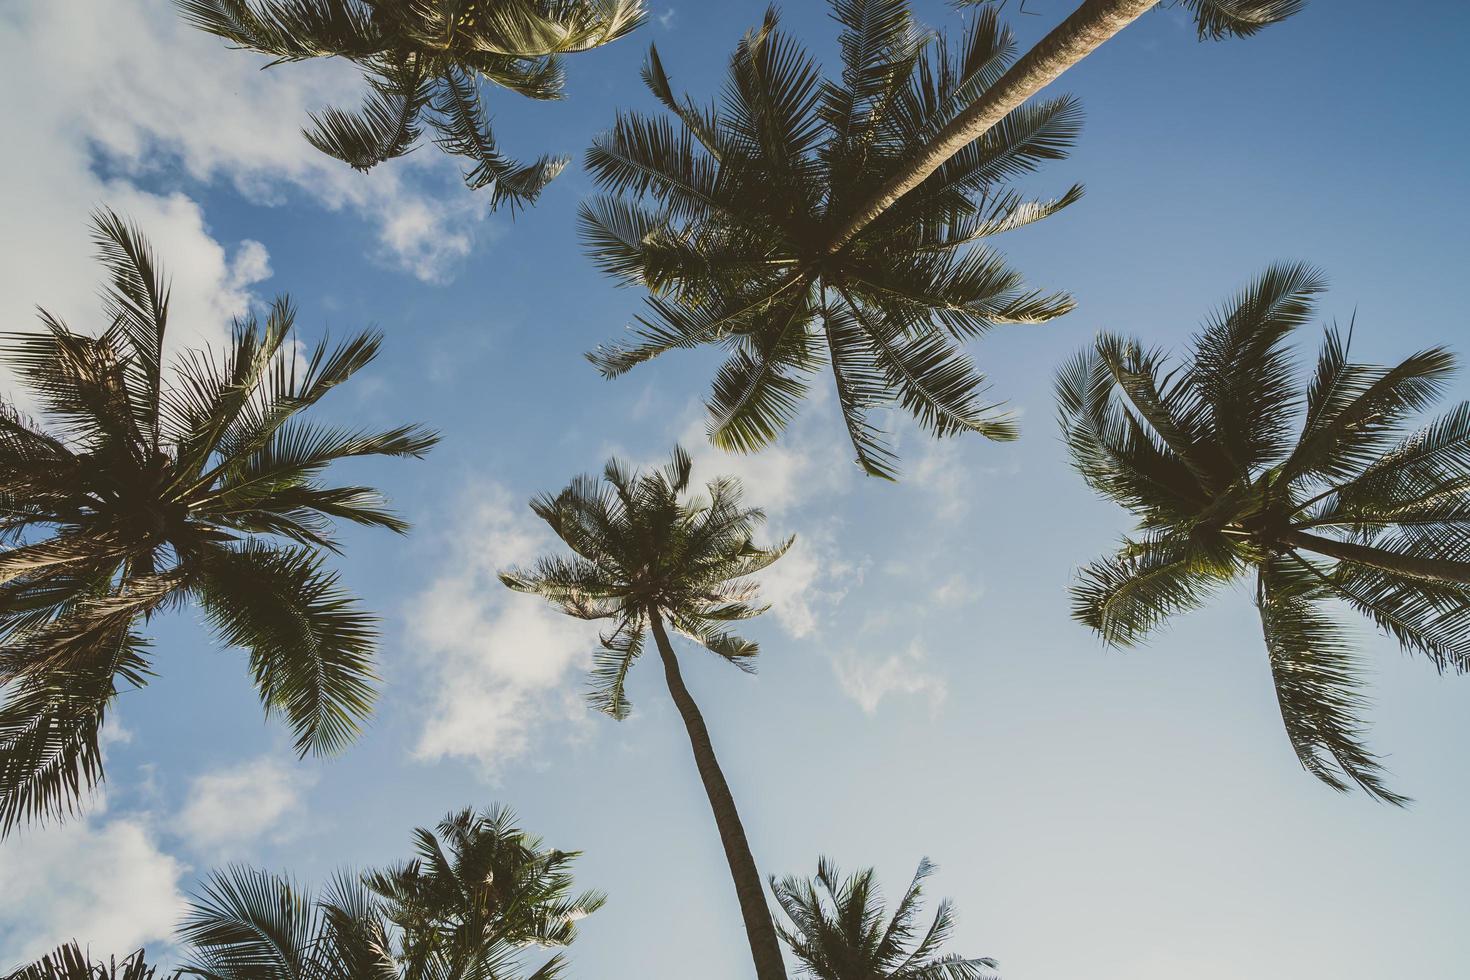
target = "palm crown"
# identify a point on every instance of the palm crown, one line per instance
(72, 962)
(144, 494)
(726, 219)
(837, 931)
(478, 889)
(640, 553)
(1233, 465)
(435, 918)
(426, 60)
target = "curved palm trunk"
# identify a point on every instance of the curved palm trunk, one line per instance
(759, 929)
(1094, 22)
(1433, 569)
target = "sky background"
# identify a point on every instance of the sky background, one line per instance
(922, 690)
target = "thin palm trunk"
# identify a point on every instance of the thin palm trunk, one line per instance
(759, 930)
(1432, 569)
(1091, 24)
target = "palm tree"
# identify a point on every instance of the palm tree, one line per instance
(837, 930)
(726, 218)
(71, 962)
(653, 562)
(427, 60)
(145, 493)
(250, 925)
(1234, 466)
(1089, 26)
(482, 885)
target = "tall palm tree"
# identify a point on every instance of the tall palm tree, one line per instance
(71, 962)
(837, 930)
(1233, 466)
(1088, 27)
(250, 925)
(726, 215)
(143, 493)
(480, 886)
(427, 60)
(651, 560)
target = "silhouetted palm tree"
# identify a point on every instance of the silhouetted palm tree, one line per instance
(71, 962)
(478, 888)
(837, 930)
(1089, 26)
(145, 493)
(652, 561)
(250, 925)
(726, 217)
(1233, 466)
(427, 60)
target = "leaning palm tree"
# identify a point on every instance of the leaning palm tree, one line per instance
(427, 60)
(837, 930)
(1318, 488)
(143, 493)
(71, 962)
(651, 560)
(1093, 23)
(726, 216)
(250, 925)
(480, 886)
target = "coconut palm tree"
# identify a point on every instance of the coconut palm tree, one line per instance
(427, 60)
(837, 930)
(479, 887)
(1233, 466)
(1093, 23)
(71, 962)
(151, 487)
(250, 925)
(725, 215)
(651, 560)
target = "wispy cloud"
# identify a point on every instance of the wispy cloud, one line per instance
(239, 805)
(870, 680)
(501, 666)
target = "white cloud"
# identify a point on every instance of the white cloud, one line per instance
(130, 85)
(242, 804)
(499, 662)
(869, 680)
(103, 882)
(944, 471)
(808, 581)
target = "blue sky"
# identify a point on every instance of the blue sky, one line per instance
(922, 689)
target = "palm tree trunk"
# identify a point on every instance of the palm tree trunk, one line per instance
(1409, 566)
(1094, 22)
(759, 930)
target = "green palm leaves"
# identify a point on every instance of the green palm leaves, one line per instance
(725, 215)
(70, 962)
(145, 493)
(425, 60)
(837, 930)
(475, 903)
(640, 550)
(1320, 488)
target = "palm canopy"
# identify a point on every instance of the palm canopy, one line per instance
(426, 61)
(72, 962)
(1318, 486)
(642, 550)
(480, 886)
(435, 918)
(836, 930)
(146, 491)
(725, 217)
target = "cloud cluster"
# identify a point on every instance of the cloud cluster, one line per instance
(499, 664)
(241, 804)
(105, 882)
